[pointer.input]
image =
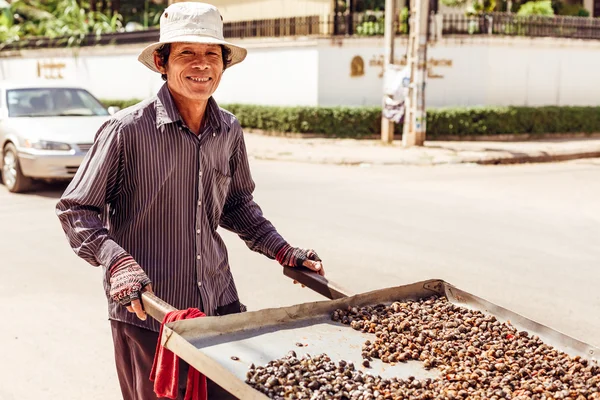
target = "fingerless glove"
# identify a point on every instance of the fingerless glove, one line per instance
(127, 279)
(289, 256)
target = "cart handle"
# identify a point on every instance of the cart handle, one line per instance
(316, 282)
(155, 307)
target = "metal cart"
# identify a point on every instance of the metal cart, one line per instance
(223, 348)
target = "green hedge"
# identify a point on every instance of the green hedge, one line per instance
(365, 121)
(120, 103)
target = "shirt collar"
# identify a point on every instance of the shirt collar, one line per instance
(166, 111)
(214, 116)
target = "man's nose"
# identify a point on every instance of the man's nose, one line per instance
(201, 62)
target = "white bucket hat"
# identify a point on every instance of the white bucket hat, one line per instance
(191, 22)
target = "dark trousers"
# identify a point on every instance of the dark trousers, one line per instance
(134, 355)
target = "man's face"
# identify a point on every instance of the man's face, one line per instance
(193, 70)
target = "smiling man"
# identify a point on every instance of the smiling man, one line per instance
(158, 181)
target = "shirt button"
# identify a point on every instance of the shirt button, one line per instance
(197, 230)
(200, 173)
(199, 284)
(199, 203)
(198, 256)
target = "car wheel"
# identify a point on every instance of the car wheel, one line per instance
(12, 176)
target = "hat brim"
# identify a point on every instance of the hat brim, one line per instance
(146, 57)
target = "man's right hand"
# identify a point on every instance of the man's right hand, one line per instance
(127, 281)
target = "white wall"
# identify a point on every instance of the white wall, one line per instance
(301, 71)
(589, 5)
(285, 75)
(244, 10)
(336, 86)
(457, 87)
(484, 71)
(110, 72)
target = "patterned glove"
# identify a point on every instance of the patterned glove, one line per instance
(290, 256)
(127, 279)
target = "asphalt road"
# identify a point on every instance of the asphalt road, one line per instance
(525, 237)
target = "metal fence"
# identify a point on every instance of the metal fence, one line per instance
(357, 24)
(147, 36)
(513, 25)
(278, 27)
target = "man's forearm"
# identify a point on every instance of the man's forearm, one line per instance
(241, 214)
(92, 187)
(86, 235)
(248, 222)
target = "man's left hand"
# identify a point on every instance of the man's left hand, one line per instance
(295, 257)
(313, 262)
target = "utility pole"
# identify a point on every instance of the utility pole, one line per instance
(415, 115)
(387, 126)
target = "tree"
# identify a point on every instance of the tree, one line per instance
(144, 12)
(536, 8)
(66, 19)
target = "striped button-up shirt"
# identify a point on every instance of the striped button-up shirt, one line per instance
(152, 189)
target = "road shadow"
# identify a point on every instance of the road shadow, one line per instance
(51, 190)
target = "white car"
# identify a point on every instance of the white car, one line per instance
(45, 131)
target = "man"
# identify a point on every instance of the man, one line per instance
(158, 181)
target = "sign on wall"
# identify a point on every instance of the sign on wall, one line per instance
(432, 65)
(50, 70)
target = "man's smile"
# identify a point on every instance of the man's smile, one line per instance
(199, 79)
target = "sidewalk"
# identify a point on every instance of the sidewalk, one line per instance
(355, 152)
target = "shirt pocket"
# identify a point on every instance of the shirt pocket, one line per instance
(221, 181)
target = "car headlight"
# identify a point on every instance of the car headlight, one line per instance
(47, 145)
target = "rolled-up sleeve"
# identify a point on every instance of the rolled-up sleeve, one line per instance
(241, 214)
(95, 185)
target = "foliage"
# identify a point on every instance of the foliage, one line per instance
(536, 8)
(146, 13)
(404, 20)
(120, 103)
(357, 122)
(574, 10)
(9, 32)
(454, 3)
(373, 24)
(341, 6)
(516, 28)
(484, 6)
(52, 19)
(364, 5)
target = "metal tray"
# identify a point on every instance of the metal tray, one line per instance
(262, 336)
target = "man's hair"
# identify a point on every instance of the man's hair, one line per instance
(164, 51)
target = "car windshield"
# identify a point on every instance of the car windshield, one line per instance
(52, 102)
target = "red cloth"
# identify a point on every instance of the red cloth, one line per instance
(165, 368)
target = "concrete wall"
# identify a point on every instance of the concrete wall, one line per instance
(589, 5)
(308, 71)
(443, 9)
(244, 10)
(483, 71)
(109, 73)
(284, 75)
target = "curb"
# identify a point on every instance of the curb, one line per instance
(503, 138)
(540, 159)
(527, 159)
